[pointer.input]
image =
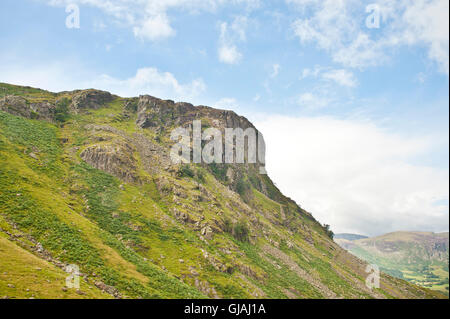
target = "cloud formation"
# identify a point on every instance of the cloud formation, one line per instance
(275, 70)
(148, 80)
(150, 19)
(338, 27)
(229, 35)
(341, 77)
(355, 176)
(312, 101)
(151, 81)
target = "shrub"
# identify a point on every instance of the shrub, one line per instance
(241, 231)
(200, 176)
(242, 187)
(228, 225)
(186, 171)
(62, 110)
(219, 171)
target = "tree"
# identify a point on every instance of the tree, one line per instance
(328, 231)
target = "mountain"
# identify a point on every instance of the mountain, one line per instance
(86, 181)
(349, 237)
(419, 257)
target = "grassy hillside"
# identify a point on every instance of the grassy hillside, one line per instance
(85, 179)
(418, 257)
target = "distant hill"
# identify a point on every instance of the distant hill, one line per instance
(419, 257)
(350, 237)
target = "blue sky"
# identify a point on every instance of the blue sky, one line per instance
(379, 95)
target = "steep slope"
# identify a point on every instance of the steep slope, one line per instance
(86, 179)
(419, 257)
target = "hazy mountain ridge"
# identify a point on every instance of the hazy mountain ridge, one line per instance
(86, 179)
(420, 257)
(350, 237)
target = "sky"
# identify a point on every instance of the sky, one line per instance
(351, 96)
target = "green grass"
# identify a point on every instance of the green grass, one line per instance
(23, 275)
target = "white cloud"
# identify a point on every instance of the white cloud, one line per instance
(151, 81)
(149, 19)
(337, 27)
(428, 22)
(239, 26)
(229, 54)
(229, 35)
(309, 100)
(153, 28)
(275, 70)
(355, 176)
(307, 72)
(71, 75)
(341, 77)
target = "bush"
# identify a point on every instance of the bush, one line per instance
(255, 181)
(200, 176)
(186, 171)
(242, 187)
(62, 110)
(241, 231)
(228, 225)
(219, 171)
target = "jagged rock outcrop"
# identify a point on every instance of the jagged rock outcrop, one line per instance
(90, 99)
(46, 110)
(19, 106)
(153, 112)
(116, 159)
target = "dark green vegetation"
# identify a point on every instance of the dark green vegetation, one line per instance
(418, 257)
(86, 179)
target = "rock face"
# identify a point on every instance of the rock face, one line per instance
(153, 112)
(45, 110)
(116, 159)
(90, 99)
(151, 154)
(19, 106)
(15, 105)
